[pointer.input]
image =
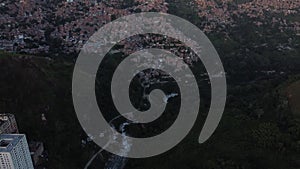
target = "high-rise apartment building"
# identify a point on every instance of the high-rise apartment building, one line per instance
(14, 152)
(8, 124)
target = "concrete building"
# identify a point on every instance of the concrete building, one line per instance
(14, 152)
(8, 124)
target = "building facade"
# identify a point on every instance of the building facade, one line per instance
(14, 152)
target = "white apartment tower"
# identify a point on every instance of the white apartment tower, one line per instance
(14, 152)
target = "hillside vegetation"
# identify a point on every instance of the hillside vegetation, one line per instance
(31, 86)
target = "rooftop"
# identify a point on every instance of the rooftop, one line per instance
(9, 141)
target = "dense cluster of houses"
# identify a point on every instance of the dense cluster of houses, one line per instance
(223, 12)
(32, 26)
(27, 25)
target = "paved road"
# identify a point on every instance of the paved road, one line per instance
(115, 162)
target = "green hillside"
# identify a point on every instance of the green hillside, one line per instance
(31, 86)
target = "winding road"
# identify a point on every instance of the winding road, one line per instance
(115, 161)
